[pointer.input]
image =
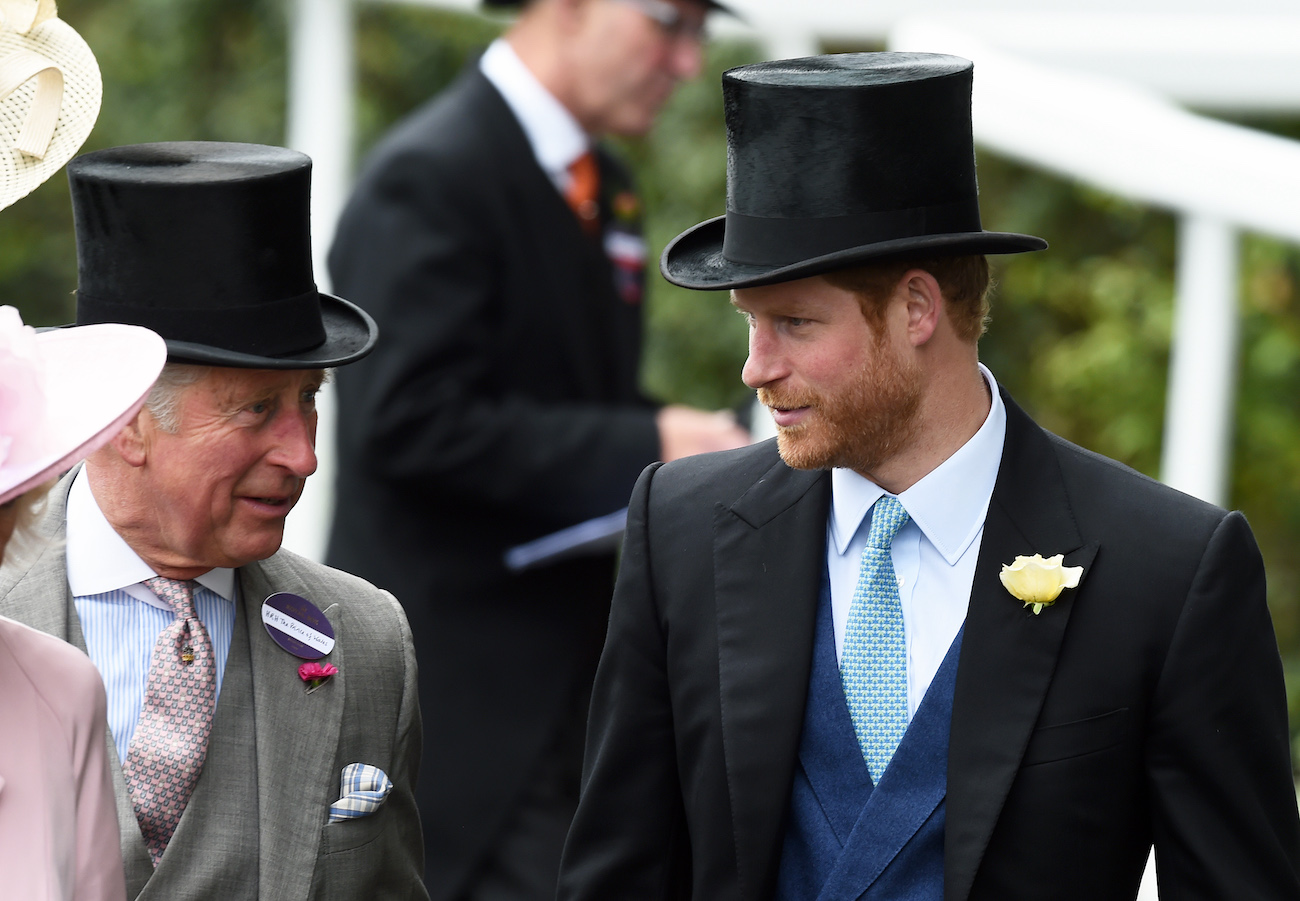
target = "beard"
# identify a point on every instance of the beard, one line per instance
(862, 426)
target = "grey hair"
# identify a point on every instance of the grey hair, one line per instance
(163, 402)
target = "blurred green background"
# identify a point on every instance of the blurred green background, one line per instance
(1080, 333)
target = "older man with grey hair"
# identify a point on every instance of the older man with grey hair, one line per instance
(265, 727)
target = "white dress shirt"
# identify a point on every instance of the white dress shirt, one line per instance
(120, 616)
(555, 136)
(934, 553)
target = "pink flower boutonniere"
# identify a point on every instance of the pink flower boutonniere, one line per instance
(315, 674)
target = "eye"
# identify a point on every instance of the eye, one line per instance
(258, 408)
(309, 395)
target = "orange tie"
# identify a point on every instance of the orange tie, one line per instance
(584, 189)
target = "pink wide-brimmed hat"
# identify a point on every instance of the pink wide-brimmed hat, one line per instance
(64, 393)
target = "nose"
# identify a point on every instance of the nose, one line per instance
(763, 366)
(295, 443)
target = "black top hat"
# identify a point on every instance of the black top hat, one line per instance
(209, 245)
(838, 160)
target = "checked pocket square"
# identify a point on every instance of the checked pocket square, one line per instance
(363, 791)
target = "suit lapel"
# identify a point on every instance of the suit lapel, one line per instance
(583, 306)
(1008, 653)
(768, 552)
(135, 854)
(297, 740)
(39, 596)
(29, 589)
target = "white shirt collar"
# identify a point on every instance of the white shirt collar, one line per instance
(99, 560)
(556, 137)
(948, 504)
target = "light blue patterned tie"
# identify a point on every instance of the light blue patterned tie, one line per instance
(873, 664)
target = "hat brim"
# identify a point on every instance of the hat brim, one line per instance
(20, 174)
(694, 258)
(350, 334)
(97, 378)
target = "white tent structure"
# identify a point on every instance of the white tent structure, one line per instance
(1090, 89)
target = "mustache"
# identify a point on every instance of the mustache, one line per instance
(787, 399)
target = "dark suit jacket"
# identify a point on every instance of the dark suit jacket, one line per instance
(1145, 705)
(368, 713)
(500, 405)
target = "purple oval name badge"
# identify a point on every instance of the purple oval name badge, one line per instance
(297, 625)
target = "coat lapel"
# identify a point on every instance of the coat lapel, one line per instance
(38, 595)
(36, 592)
(135, 854)
(583, 308)
(769, 550)
(1008, 653)
(297, 740)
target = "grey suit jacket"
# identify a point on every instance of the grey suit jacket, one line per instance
(368, 713)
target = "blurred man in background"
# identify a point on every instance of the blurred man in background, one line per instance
(499, 249)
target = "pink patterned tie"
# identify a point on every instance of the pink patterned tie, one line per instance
(171, 740)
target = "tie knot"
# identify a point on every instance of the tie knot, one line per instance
(179, 594)
(585, 169)
(887, 517)
(584, 190)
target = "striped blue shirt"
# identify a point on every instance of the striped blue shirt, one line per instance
(121, 618)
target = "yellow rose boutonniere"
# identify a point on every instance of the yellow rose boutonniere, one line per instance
(1039, 581)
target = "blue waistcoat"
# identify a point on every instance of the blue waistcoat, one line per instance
(845, 838)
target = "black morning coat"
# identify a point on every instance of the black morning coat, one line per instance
(1145, 705)
(501, 404)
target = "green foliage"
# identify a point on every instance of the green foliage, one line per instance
(173, 70)
(405, 54)
(1080, 333)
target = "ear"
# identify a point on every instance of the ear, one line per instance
(132, 443)
(924, 304)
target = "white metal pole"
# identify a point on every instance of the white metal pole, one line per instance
(320, 124)
(1203, 360)
(322, 85)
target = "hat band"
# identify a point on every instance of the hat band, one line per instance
(764, 241)
(271, 329)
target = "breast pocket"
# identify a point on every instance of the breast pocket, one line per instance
(1062, 741)
(348, 835)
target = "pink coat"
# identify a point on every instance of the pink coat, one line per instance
(58, 824)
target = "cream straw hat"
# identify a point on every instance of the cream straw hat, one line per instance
(50, 91)
(64, 393)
